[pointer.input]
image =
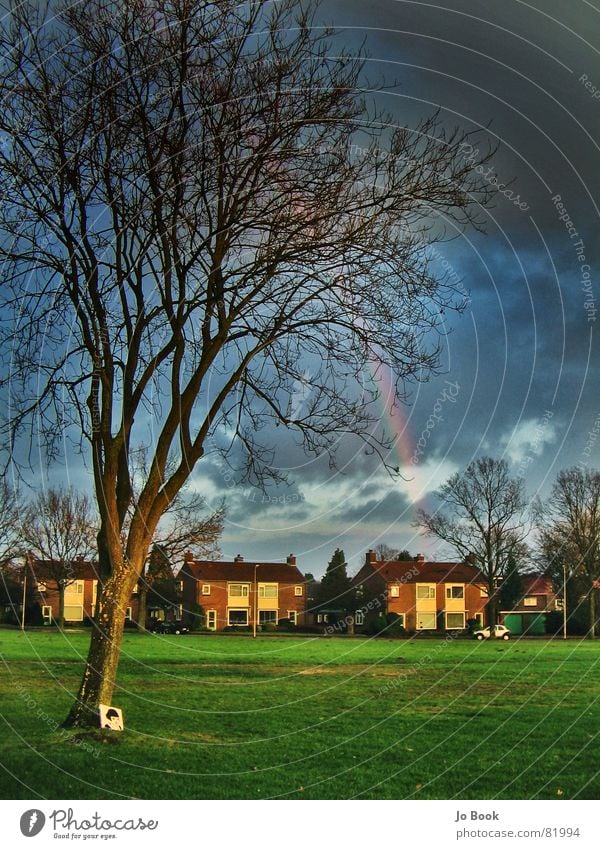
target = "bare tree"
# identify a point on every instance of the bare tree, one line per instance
(483, 522)
(11, 516)
(59, 529)
(188, 232)
(569, 526)
(387, 552)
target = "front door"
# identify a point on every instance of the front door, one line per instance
(211, 620)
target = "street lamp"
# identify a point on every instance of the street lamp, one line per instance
(255, 614)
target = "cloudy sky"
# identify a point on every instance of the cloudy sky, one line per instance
(520, 365)
(519, 377)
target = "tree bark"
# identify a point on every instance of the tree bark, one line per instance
(61, 605)
(592, 612)
(142, 606)
(99, 678)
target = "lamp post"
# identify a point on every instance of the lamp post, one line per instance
(24, 598)
(564, 601)
(255, 613)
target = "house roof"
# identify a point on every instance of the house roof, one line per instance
(536, 585)
(42, 570)
(415, 571)
(221, 570)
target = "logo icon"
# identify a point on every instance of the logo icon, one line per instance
(32, 822)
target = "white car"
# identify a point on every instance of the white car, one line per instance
(501, 632)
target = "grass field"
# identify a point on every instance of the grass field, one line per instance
(232, 717)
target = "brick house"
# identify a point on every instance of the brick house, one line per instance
(239, 593)
(80, 593)
(425, 595)
(528, 616)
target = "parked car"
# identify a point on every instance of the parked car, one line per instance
(164, 627)
(501, 632)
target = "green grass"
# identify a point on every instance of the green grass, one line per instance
(232, 717)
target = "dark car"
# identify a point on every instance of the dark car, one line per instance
(161, 627)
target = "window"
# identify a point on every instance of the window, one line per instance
(425, 590)
(322, 617)
(426, 622)
(479, 618)
(292, 615)
(266, 617)
(298, 590)
(483, 592)
(211, 620)
(267, 590)
(42, 586)
(239, 590)
(453, 591)
(238, 617)
(206, 589)
(128, 614)
(394, 592)
(359, 618)
(74, 612)
(47, 614)
(180, 586)
(134, 590)
(530, 601)
(455, 620)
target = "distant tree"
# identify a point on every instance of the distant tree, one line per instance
(511, 588)
(482, 518)
(335, 590)
(58, 528)
(569, 531)
(387, 552)
(11, 518)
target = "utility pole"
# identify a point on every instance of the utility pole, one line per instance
(24, 597)
(255, 612)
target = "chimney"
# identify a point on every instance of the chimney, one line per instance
(188, 557)
(471, 559)
(291, 560)
(238, 558)
(420, 558)
(371, 557)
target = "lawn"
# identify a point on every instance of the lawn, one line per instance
(232, 717)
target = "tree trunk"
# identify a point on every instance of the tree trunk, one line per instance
(142, 606)
(592, 610)
(100, 673)
(61, 605)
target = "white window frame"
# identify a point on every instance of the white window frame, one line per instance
(205, 589)
(211, 614)
(47, 613)
(455, 627)
(450, 590)
(483, 593)
(401, 620)
(128, 613)
(530, 601)
(394, 591)
(430, 591)
(292, 615)
(244, 590)
(427, 614)
(273, 590)
(479, 617)
(243, 610)
(42, 586)
(269, 621)
(359, 617)
(299, 590)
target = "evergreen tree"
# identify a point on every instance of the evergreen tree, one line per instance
(335, 591)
